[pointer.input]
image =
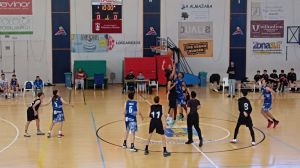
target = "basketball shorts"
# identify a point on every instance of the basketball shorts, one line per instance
(267, 107)
(172, 101)
(180, 100)
(156, 125)
(30, 115)
(131, 126)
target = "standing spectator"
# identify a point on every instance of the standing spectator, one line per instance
(282, 80)
(4, 85)
(265, 76)
(292, 78)
(79, 78)
(231, 79)
(274, 79)
(38, 84)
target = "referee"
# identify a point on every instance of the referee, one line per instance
(193, 119)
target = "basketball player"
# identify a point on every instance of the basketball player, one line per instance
(172, 97)
(245, 109)
(267, 105)
(130, 112)
(181, 103)
(33, 114)
(14, 85)
(156, 113)
(193, 119)
(58, 113)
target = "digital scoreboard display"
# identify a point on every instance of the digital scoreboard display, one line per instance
(107, 18)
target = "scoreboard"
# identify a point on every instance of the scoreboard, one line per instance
(107, 18)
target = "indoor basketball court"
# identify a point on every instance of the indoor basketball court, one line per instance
(75, 64)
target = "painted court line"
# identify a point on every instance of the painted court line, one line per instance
(98, 141)
(16, 137)
(192, 144)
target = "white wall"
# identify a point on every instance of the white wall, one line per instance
(291, 17)
(81, 23)
(33, 53)
(219, 14)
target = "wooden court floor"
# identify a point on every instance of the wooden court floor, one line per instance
(94, 132)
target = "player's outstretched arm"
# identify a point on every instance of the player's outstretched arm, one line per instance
(46, 103)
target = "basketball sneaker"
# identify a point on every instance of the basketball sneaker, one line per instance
(49, 134)
(146, 152)
(233, 141)
(39, 132)
(27, 135)
(270, 123)
(133, 149)
(166, 153)
(275, 124)
(253, 143)
(124, 146)
(200, 143)
(188, 142)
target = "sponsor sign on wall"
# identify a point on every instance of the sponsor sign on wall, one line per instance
(16, 17)
(89, 43)
(196, 48)
(195, 30)
(267, 10)
(196, 10)
(267, 47)
(267, 29)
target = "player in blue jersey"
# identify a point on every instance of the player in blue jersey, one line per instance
(58, 113)
(130, 112)
(181, 100)
(14, 85)
(267, 104)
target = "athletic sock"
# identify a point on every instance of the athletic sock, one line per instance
(165, 149)
(146, 148)
(124, 142)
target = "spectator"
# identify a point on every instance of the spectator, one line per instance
(258, 76)
(265, 76)
(282, 80)
(130, 85)
(14, 85)
(4, 85)
(274, 79)
(292, 78)
(231, 79)
(79, 78)
(38, 84)
(215, 81)
(141, 85)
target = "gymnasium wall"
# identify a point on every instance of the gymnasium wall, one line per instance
(290, 58)
(32, 52)
(81, 23)
(219, 15)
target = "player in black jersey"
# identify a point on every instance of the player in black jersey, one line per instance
(32, 114)
(193, 119)
(156, 113)
(245, 109)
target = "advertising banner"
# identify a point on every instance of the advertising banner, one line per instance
(196, 48)
(267, 47)
(15, 7)
(267, 10)
(195, 30)
(196, 10)
(89, 43)
(267, 29)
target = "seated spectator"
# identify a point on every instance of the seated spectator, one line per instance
(38, 84)
(283, 81)
(292, 78)
(214, 79)
(79, 78)
(265, 76)
(14, 85)
(130, 85)
(274, 79)
(141, 85)
(258, 76)
(4, 85)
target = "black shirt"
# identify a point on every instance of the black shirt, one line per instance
(257, 77)
(244, 106)
(37, 106)
(156, 112)
(292, 76)
(265, 76)
(273, 76)
(231, 69)
(193, 104)
(168, 73)
(130, 76)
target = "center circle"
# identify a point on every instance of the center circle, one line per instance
(178, 134)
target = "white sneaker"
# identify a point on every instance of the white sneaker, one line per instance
(233, 141)
(253, 143)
